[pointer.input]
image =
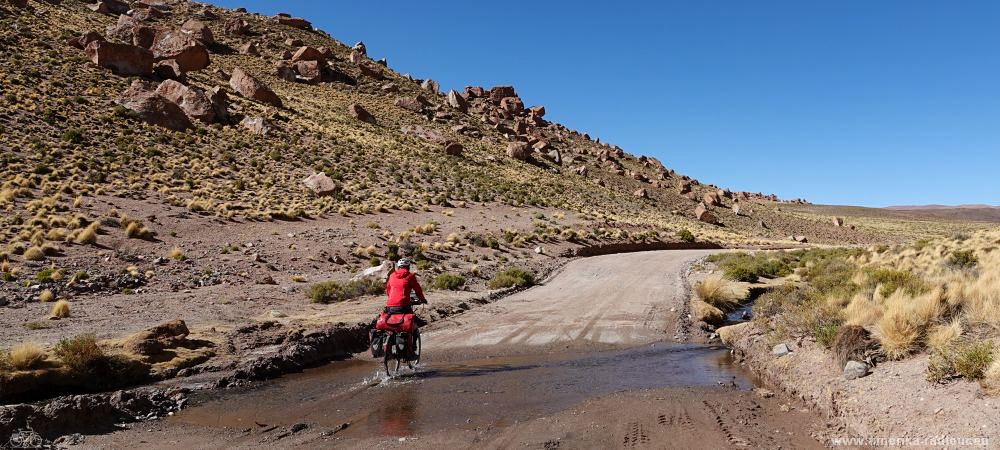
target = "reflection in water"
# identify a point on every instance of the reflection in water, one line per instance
(396, 413)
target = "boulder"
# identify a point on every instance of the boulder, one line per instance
(511, 106)
(712, 199)
(431, 85)
(169, 70)
(581, 171)
(188, 52)
(736, 209)
(199, 31)
(83, 40)
(309, 71)
(780, 350)
(838, 221)
(800, 238)
(152, 107)
(128, 29)
(122, 59)
(192, 100)
(292, 42)
(360, 48)
(250, 48)
(220, 102)
(370, 71)
(294, 22)
(109, 7)
(284, 70)
(453, 148)
(457, 101)
(519, 150)
(237, 27)
(537, 111)
(156, 339)
(147, 14)
(703, 214)
(410, 104)
(854, 370)
(379, 272)
(256, 125)
(248, 86)
(361, 113)
(307, 53)
(320, 184)
(641, 193)
(684, 187)
(356, 57)
(498, 93)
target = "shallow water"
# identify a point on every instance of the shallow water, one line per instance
(469, 394)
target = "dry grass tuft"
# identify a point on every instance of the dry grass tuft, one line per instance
(60, 309)
(717, 293)
(25, 356)
(46, 296)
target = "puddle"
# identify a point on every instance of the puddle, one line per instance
(470, 394)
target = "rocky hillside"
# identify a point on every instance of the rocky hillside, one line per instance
(247, 117)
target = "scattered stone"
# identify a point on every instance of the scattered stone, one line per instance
(431, 85)
(519, 150)
(369, 71)
(641, 193)
(256, 125)
(425, 133)
(780, 350)
(192, 100)
(854, 370)
(320, 184)
(581, 171)
(237, 26)
(457, 101)
(152, 107)
(800, 239)
(199, 31)
(410, 104)
(294, 22)
(250, 87)
(838, 221)
(285, 71)
(154, 340)
(453, 149)
(703, 214)
(84, 39)
(309, 71)
(251, 48)
(122, 59)
(169, 69)
(188, 52)
(109, 7)
(712, 199)
(307, 53)
(361, 113)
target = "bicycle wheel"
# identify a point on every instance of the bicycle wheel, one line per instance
(389, 354)
(415, 359)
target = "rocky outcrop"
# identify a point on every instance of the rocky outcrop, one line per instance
(256, 125)
(199, 31)
(703, 214)
(154, 340)
(153, 108)
(249, 87)
(294, 22)
(412, 104)
(237, 27)
(83, 40)
(122, 59)
(457, 101)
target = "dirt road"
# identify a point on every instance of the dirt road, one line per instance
(584, 361)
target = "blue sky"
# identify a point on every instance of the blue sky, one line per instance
(850, 102)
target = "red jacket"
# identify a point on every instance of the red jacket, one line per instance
(398, 288)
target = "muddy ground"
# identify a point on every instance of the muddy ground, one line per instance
(499, 377)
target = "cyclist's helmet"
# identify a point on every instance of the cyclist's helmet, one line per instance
(403, 262)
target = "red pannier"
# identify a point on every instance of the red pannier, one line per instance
(396, 322)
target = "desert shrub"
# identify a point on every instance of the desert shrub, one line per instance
(334, 291)
(851, 342)
(34, 253)
(375, 261)
(176, 254)
(392, 251)
(48, 275)
(46, 296)
(716, 292)
(512, 277)
(963, 259)
(88, 235)
(449, 282)
(974, 359)
(60, 309)
(749, 268)
(685, 235)
(80, 353)
(24, 356)
(890, 280)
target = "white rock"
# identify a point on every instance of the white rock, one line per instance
(780, 350)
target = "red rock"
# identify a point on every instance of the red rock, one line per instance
(284, 70)
(512, 106)
(370, 71)
(360, 113)
(189, 53)
(250, 48)
(169, 69)
(712, 199)
(309, 71)
(430, 85)
(220, 102)
(307, 53)
(498, 93)
(237, 26)
(122, 59)
(109, 7)
(453, 149)
(248, 86)
(192, 100)
(152, 107)
(538, 111)
(519, 150)
(294, 22)
(199, 31)
(684, 187)
(84, 39)
(411, 104)
(292, 42)
(457, 101)
(131, 30)
(704, 215)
